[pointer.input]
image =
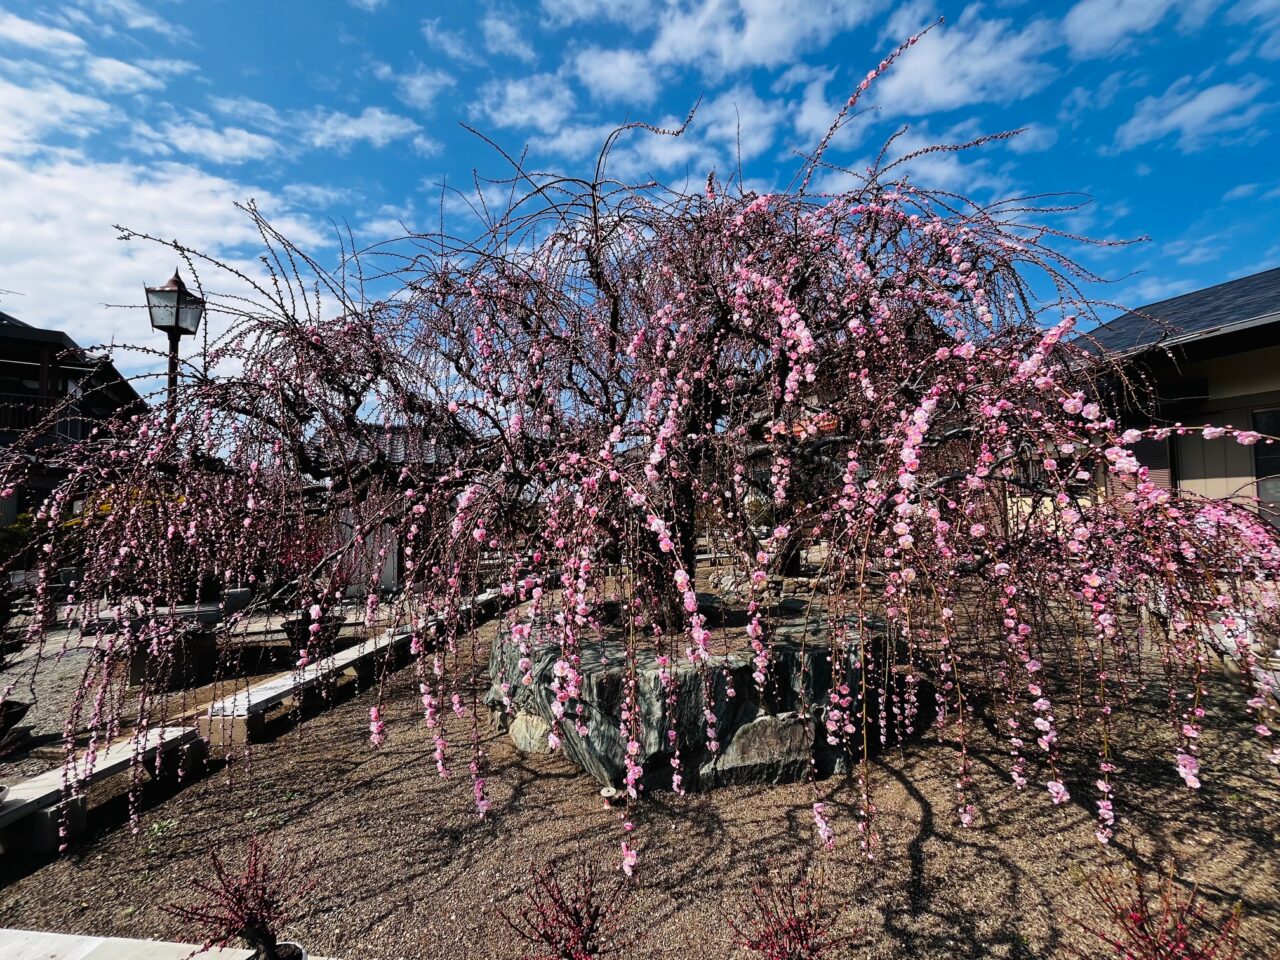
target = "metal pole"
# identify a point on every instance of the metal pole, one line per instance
(174, 337)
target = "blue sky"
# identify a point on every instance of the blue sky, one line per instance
(159, 114)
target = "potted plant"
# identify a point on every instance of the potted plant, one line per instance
(252, 905)
(188, 653)
(11, 711)
(298, 629)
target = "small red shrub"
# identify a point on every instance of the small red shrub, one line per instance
(253, 905)
(577, 920)
(784, 921)
(1159, 924)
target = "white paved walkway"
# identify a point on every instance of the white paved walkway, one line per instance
(34, 945)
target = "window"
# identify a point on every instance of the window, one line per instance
(1266, 463)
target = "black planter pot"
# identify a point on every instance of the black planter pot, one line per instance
(11, 715)
(194, 657)
(298, 630)
(7, 604)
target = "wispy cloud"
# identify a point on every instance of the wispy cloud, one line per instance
(134, 16)
(635, 13)
(419, 88)
(30, 113)
(168, 67)
(625, 76)
(725, 35)
(1034, 138)
(1197, 117)
(334, 130)
(319, 128)
(541, 102)
(51, 199)
(1098, 28)
(812, 116)
(1095, 28)
(228, 145)
(1198, 249)
(452, 43)
(1241, 192)
(71, 53)
(28, 33)
(504, 38)
(736, 123)
(1264, 17)
(969, 62)
(1083, 101)
(116, 76)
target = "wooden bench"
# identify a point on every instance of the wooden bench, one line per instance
(239, 717)
(35, 809)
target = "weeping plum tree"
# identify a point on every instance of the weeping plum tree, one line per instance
(560, 407)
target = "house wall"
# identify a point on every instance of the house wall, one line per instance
(1236, 386)
(1216, 468)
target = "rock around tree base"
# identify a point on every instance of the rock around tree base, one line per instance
(778, 734)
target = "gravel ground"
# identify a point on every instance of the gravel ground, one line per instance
(408, 871)
(50, 694)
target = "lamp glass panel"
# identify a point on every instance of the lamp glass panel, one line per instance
(162, 305)
(189, 315)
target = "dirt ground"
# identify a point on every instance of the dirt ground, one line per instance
(407, 870)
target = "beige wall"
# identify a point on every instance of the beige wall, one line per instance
(1237, 385)
(1216, 468)
(1242, 374)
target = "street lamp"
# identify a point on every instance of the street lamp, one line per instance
(176, 311)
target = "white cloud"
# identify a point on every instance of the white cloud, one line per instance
(1202, 248)
(617, 75)
(319, 129)
(634, 13)
(66, 285)
(418, 89)
(248, 110)
(1082, 101)
(1097, 27)
(1264, 16)
(813, 115)
(168, 67)
(116, 76)
(1034, 138)
(542, 101)
(134, 16)
(724, 35)
(575, 141)
(1241, 192)
(1197, 117)
(334, 130)
(425, 146)
(969, 173)
(368, 6)
(28, 114)
(740, 119)
(502, 37)
(712, 141)
(228, 145)
(452, 43)
(963, 63)
(27, 33)
(70, 51)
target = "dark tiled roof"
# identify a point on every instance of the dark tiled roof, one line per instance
(11, 328)
(1194, 315)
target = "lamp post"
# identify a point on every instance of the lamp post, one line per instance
(177, 311)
